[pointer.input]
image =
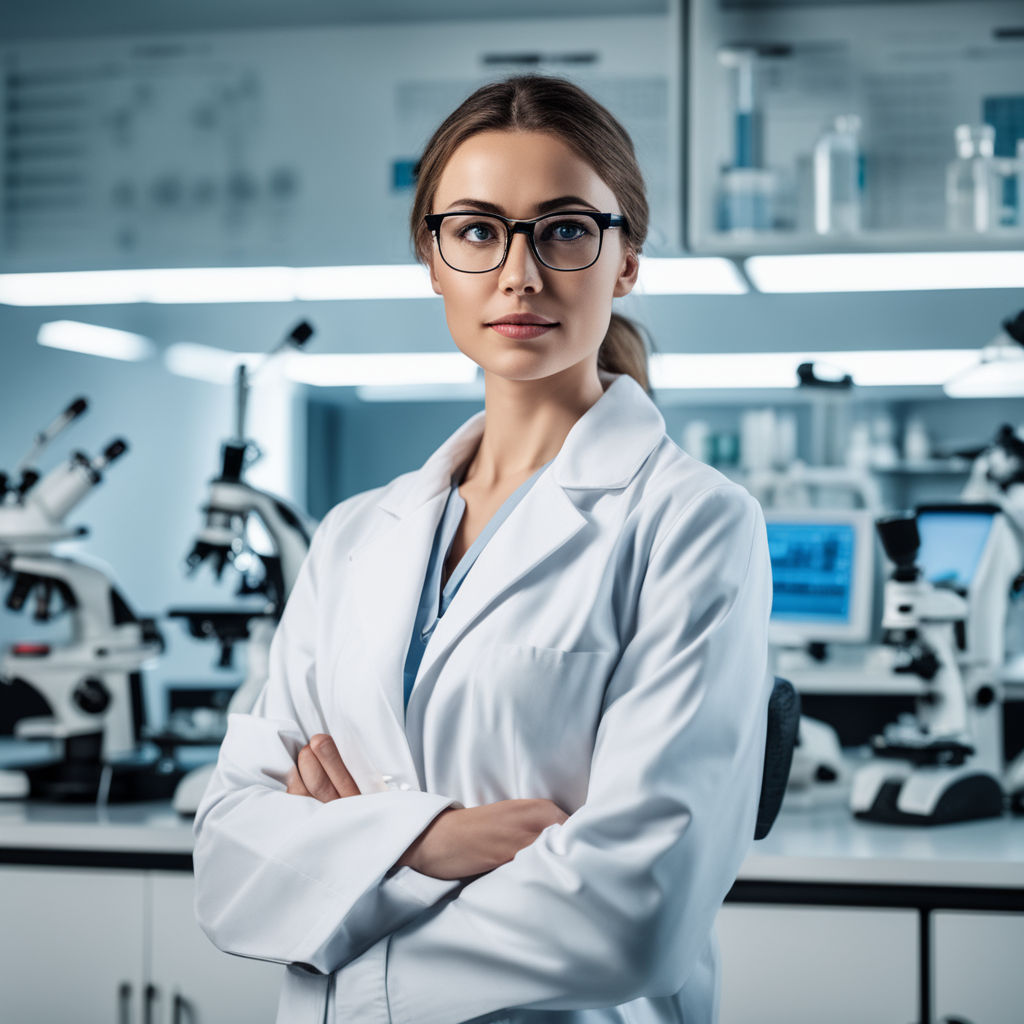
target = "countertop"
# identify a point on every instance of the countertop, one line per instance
(821, 843)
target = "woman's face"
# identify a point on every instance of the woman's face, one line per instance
(515, 173)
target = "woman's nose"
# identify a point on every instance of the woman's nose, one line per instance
(520, 271)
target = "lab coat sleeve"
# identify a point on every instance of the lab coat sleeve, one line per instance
(619, 901)
(283, 877)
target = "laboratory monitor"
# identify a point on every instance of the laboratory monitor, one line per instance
(823, 575)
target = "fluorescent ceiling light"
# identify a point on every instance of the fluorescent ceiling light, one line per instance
(94, 340)
(408, 281)
(919, 367)
(989, 380)
(886, 272)
(696, 275)
(205, 362)
(389, 369)
(393, 370)
(472, 392)
(99, 287)
(689, 276)
(216, 284)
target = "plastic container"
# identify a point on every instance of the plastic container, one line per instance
(973, 182)
(839, 178)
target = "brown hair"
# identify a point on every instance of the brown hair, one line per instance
(539, 103)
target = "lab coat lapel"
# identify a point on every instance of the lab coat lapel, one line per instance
(386, 572)
(387, 575)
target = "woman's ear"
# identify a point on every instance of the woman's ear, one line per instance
(628, 272)
(429, 260)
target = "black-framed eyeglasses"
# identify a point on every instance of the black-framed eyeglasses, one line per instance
(476, 243)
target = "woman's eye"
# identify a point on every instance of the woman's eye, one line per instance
(477, 233)
(565, 231)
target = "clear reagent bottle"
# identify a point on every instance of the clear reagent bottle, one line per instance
(973, 185)
(838, 178)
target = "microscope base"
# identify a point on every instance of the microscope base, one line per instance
(901, 793)
(80, 777)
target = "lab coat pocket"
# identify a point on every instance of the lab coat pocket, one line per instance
(545, 704)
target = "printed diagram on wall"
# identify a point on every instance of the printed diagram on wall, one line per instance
(155, 154)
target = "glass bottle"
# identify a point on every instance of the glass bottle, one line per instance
(838, 178)
(973, 185)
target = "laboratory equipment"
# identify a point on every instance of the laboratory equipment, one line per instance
(997, 475)
(999, 372)
(838, 178)
(747, 190)
(92, 685)
(233, 503)
(945, 605)
(973, 182)
(802, 486)
(823, 568)
(817, 756)
(822, 588)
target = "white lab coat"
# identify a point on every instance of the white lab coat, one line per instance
(607, 651)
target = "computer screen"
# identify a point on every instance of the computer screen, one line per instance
(951, 544)
(822, 575)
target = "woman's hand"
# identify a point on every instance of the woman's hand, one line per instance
(320, 772)
(474, 840)
(458, 844)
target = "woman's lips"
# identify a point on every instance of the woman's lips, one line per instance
(522, 331)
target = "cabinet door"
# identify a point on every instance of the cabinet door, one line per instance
(195, 983)
(71, 945)
(977, 966)
(805, 965)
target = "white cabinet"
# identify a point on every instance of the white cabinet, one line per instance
(102, 946)
(195, 983)
(977, 966)
(805, 965)
(72, 945)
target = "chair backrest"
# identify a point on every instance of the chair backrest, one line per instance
(783, 723)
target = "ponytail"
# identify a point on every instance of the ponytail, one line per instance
(624, 350)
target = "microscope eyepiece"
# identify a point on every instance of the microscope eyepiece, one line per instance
(901, 540)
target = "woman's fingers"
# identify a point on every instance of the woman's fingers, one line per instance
(294, 783)
(326, 751)
(314, 778)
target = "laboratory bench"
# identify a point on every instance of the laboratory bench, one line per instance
(829, 915)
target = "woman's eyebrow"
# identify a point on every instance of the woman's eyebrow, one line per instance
(548, 204)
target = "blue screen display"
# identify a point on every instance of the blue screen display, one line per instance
(812, 571)
(951, 545)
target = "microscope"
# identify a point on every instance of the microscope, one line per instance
(997, 475)
(944, 763)
(92, 686)
(232, 506)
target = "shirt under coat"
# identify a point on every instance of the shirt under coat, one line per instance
(608, 651)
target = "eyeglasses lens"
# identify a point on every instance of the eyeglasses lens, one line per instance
(475, 243)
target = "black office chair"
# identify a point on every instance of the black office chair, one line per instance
(783, 722)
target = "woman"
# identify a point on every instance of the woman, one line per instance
(532, 809)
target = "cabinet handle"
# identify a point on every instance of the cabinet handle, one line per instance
(152, 996)
(183, 1011)
(124, 1003)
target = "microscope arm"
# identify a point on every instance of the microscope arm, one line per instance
(290, 531)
